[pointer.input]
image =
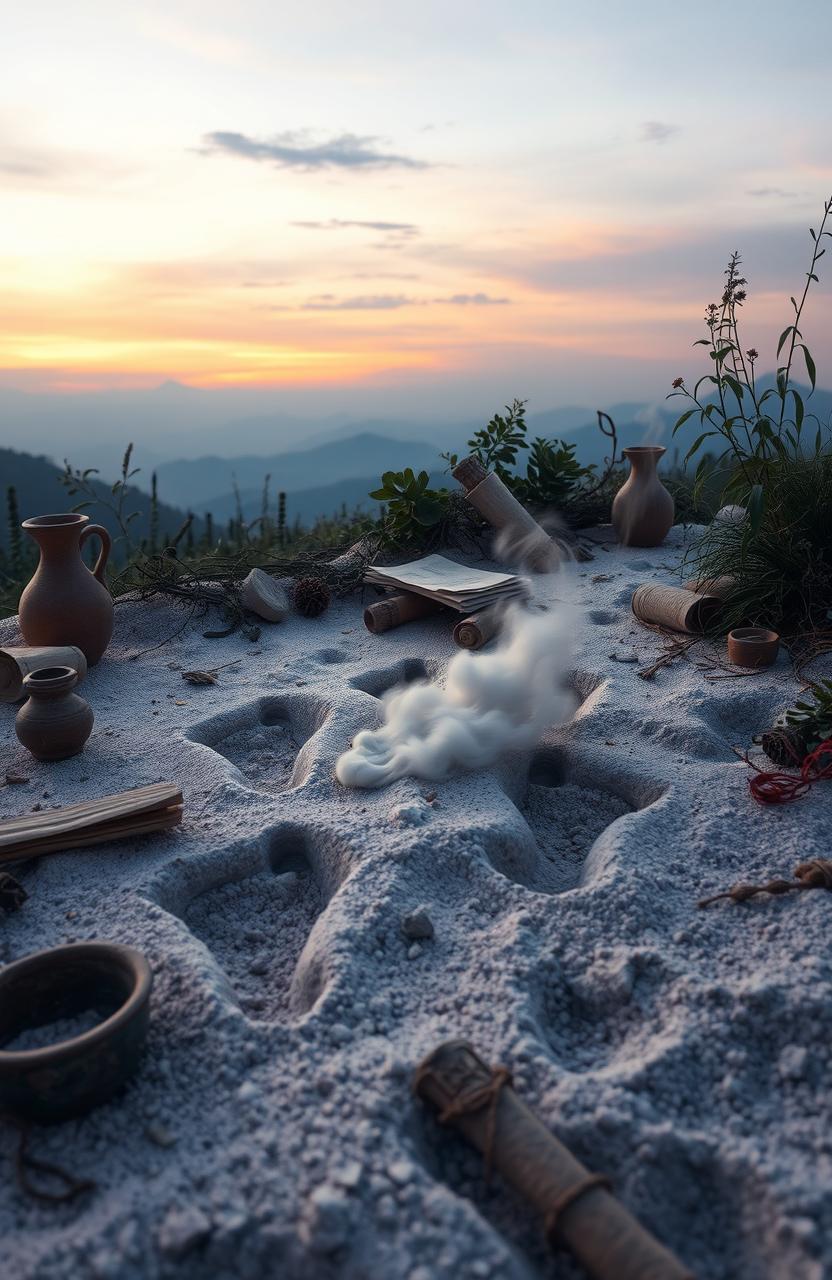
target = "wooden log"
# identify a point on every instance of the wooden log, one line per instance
(578, 1207)
(394, 611)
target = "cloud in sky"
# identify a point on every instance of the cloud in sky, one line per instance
(403, 230)
(370, 302)
(394, 301)
(658, 131)
(768, 193)
(296, 150)
(474, 300)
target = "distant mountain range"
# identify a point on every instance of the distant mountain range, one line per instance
(341, 463)
(39, 491)
(200, 483)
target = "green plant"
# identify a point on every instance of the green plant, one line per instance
(497, 444)
(412, 507)
(77, 481)
(813, 720)
(782, 571)
(553, 476)
(760, 429)
(16, 556)
(801, 728)
(779, 556)
(553, 473)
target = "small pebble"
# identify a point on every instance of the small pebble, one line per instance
(417, 924)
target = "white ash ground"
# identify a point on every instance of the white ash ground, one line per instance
(51, 1033)
(566, 821)
(684, 1053)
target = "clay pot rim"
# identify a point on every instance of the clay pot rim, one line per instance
(102, 956)
(642, 449)
(754, 636)
(50, 679)
(61, 520)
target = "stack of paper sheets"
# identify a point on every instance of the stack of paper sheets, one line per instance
(461, 588)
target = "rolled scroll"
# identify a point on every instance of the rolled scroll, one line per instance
(722, 587)
(393, 611)
(478, 629)
(578, 1206)
(675, 608)
(17, 662)
(526, 540)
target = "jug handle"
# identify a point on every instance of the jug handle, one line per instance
(106, 546)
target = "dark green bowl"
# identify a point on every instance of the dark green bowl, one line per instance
(70, 1077)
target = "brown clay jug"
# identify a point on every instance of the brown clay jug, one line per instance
(65, 602)
(54, 723)
(642, 510)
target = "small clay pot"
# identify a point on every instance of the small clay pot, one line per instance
(71, 1076)
(642, 510)
(752, 646)
(54, 723)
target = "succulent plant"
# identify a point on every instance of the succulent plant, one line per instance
(800, 729)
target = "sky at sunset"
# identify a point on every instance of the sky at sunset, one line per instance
(535, 196)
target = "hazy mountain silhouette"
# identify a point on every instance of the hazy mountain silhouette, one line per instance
(39, 492)
(200, 483)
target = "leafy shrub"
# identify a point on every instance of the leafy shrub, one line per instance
(553, 474)
(410, 503)
(771, 463)
(759, 429)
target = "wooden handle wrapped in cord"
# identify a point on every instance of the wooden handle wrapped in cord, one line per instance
(577, 1205)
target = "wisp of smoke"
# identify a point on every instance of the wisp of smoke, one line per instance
(491, 703)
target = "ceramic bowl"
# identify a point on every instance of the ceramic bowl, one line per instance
(752, 646)
(70, 1077)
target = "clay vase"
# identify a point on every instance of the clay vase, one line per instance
(642, 510)
(65, 602)
(54, 723)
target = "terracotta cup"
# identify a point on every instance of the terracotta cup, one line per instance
(752, 646)
(642, 510)
(54, 723)
(65, 602)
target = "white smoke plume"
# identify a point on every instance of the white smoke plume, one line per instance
(491, 703)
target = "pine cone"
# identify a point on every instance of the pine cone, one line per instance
(311, 596)
(784, 747)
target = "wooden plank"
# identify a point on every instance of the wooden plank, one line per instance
(74, 817)
(144, 809)
(27, 850)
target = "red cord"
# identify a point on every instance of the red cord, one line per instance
(782, 788)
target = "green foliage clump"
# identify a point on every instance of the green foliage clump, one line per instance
(410, 503)
(812, 721)
(553, 474)
(420, 517)
(780, 554)
(781, 566)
